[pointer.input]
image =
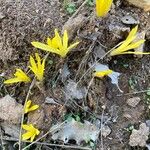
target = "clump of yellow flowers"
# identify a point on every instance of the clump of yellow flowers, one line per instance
(29, 107)
(129, 44)
(20, 76)
(58, 45)
(36, 65)
(31, 132)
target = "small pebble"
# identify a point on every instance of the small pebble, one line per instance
(105, 131)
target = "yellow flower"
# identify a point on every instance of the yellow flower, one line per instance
(37, 66)
(31, 132)
(103, 73)
(129, 44)
(56, 45)
(102, 7)
(20, 76)
(29, 108)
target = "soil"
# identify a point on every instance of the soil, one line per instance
(22, 22)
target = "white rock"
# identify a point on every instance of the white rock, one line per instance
(133, 102)
(105, 131)
(139, 137)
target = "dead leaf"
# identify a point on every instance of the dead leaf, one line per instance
(76, 131)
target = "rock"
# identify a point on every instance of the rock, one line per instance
(129, 20)
(140, 36)
(49, 100)
(10, 129)
(148, 123)
(2, 15)
(144, 4)
(105, 131)
(74, 24)
(10, 110)
(133, 102)
(139, 137)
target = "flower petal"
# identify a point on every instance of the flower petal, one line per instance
(34, 107)
(32, 138)
(27, 136)
(102, 7)
(134, 45)
(13, 80)
(73, 45)
(26, 127)
(65, 40)
(49, 42)
(58, 39)
(20, 76)
(101, 74)
(133, 32)
(137, 53)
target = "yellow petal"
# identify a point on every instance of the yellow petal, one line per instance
(133, 32)
(49, 42)
(34, 107)
(37, 132)
(129, 47)
(65, 40)
(13, 80)
(58, 39)
(123, 47)
(27, 136)
(28, 104)
(101, 74)
(130, 37)
(20, 76)
(38, 60)
(45, 47)
(137, 53)
(33, 64)
(26, 127)
(73, 45)
(134, 45)
(102, 7)
(32, 138)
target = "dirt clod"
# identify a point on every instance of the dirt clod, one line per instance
(145, 4)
